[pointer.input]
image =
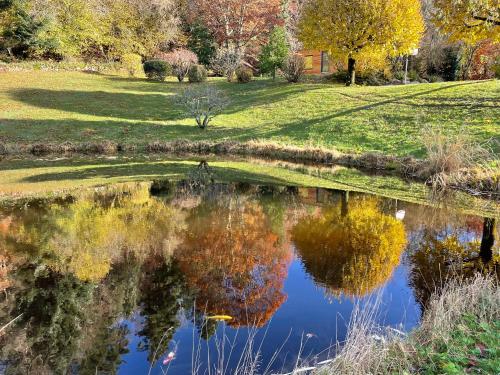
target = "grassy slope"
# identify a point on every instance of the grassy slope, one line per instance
(66, 106)
(21, 178)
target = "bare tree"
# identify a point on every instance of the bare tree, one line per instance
(226, 61)
(293, 68)
(203, 103)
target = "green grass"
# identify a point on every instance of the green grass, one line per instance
(473, 345)
(70, 106)
(21, 178)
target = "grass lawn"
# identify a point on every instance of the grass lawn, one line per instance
(21, 178)
(71, 106)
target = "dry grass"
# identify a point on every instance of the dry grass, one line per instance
(458, 161)
(369, 350)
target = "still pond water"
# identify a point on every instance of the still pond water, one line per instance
(131, 279)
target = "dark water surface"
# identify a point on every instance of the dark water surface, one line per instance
(113, 280)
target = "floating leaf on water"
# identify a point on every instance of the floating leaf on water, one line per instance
(170, 357)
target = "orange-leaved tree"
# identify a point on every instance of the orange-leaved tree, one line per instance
(235, 263)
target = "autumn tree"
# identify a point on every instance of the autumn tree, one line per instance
(355, 29)
(181, 61)
(350, 251)
(237, 23)
(234, 262)
(470, 21)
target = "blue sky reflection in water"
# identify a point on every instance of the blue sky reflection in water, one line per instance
(109, 280)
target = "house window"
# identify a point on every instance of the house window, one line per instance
(325, 63)
(308, 62)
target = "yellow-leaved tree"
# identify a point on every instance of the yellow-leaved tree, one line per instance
(469, 21)
(350, 249)
(354, 29)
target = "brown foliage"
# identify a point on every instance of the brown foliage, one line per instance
(237, 23)
(235, 262)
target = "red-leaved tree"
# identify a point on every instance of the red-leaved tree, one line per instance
(181, 60)
(237, 23)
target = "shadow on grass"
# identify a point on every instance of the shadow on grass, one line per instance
(156, 103)
(125, 132)
(143, 170)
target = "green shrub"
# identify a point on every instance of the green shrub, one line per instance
(157, 70)
(413, 75)
(244, 74)
(435, 78)
(132, 63)
(340, 76)
(368, 78)
(197, 73)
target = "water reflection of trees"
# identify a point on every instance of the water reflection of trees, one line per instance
(350, 248)
(84, 238)
(233, 260)
(73, 270)
(452, 250)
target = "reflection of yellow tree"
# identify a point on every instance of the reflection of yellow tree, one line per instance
(351, 252)
(86, 236)
(234, 261)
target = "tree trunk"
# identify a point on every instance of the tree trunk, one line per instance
(351, 68)
(486, 252)
(344, 208)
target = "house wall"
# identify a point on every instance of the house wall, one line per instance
(316, 62)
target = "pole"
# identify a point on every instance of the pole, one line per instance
(406, 70)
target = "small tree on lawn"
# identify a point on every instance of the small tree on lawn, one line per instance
(203, 103)
(181, 61)
(226, 61)
(293, 67)
(275, 52)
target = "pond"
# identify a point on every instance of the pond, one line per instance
(189, 277)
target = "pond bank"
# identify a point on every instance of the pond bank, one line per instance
(472, 181)
(459, 334)
(49, 176)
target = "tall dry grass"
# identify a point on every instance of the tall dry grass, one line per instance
(457, 161)
(368, 350)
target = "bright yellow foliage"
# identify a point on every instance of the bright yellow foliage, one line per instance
(470, 21)
(357, 28)
(350, 253)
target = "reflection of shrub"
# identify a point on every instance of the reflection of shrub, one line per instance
(243, 74)
(157, 70)
(293, 68)
(132, 63)
(203, 103)
(197, 73)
